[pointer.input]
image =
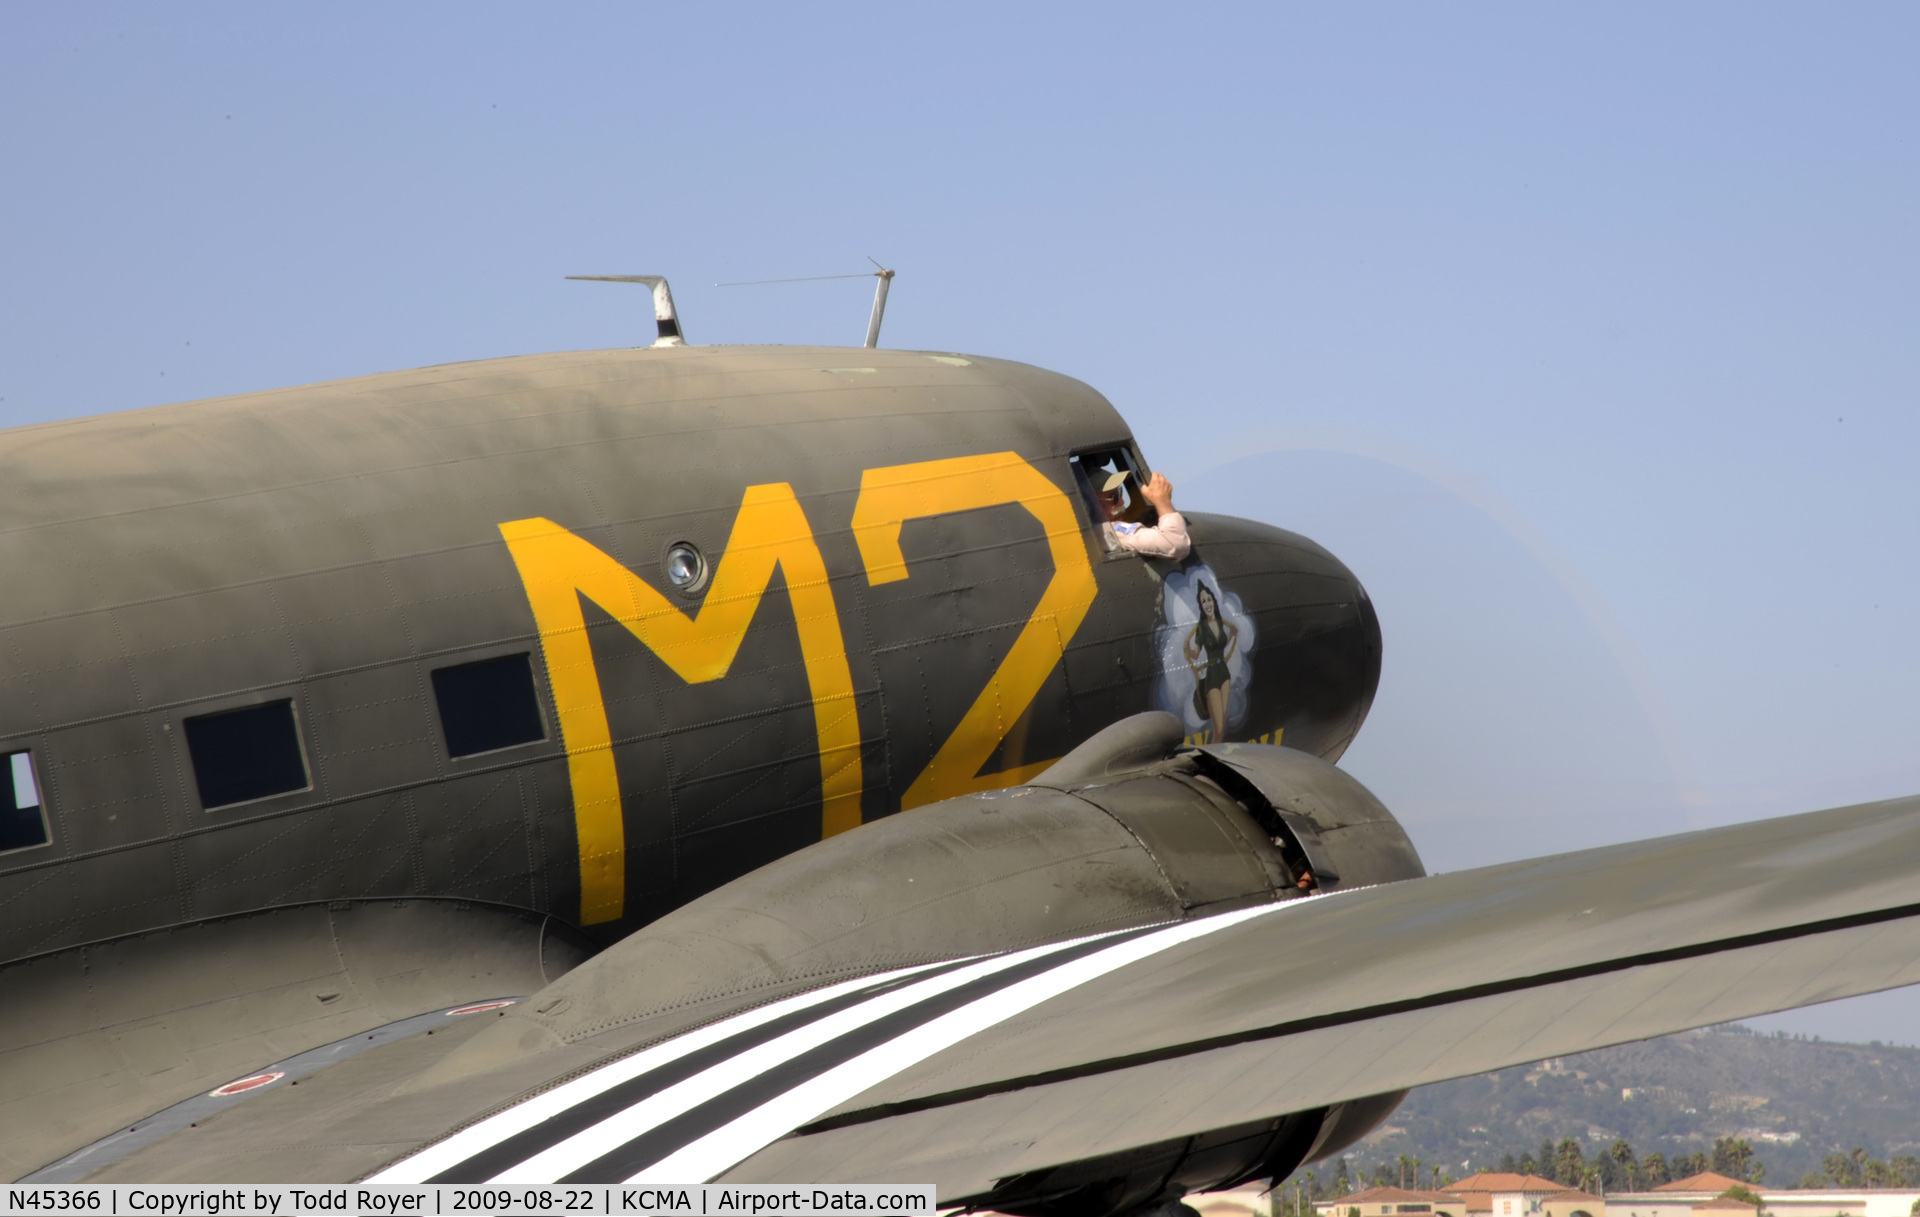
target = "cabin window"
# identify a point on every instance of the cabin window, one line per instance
(246, 754)
(1109, 480)
(23, 821)
(488, 705)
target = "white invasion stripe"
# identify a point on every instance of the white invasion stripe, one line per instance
(616, 1130)
(708, 1157)
(490, 1132)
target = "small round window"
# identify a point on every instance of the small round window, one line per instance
(686, 567)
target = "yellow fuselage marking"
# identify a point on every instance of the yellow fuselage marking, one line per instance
(891, 496)
(558, 568)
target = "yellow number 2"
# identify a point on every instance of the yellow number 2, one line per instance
(893, 495)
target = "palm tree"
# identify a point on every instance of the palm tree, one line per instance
(1569, 1164)
(1622, 1153)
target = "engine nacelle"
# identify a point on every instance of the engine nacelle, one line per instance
(1347, 836)
(1129, 829)
(1327, 832)
(1154, 1177)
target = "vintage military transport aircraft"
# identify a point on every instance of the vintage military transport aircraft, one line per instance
(761, 764)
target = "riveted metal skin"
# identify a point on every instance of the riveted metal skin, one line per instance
(1125, 831)
(332, 545)
(1000, 870)
(94, 1039)
(328, 548)
(921, 836)
(1350, 837)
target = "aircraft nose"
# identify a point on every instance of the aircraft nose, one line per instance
(1266, 637)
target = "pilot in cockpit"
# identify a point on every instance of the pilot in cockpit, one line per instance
(1165, 537)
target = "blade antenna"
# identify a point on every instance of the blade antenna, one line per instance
(885, 277)
(665, 320)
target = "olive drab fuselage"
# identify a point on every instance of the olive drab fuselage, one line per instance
(902, 594)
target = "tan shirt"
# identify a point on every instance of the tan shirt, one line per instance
(1167, 539)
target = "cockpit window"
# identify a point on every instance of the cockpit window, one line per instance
(1109, 481)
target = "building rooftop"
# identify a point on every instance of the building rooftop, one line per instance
(1706, 1181)
(1506, 1181)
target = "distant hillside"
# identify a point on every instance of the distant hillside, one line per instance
(1795, 1101)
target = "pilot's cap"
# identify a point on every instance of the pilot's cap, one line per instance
(1114, 481)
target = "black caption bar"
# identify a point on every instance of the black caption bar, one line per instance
(477, 1200)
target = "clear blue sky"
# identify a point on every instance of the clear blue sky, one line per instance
(1587, 336)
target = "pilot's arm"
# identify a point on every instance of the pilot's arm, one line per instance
(1166, 539)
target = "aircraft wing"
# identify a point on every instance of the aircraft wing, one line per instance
(1328, 1000)
(971, 1071)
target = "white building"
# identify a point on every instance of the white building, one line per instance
(1702, 1196)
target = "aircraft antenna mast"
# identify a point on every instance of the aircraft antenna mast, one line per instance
(883, 274)
(665, 320)
(885, 277)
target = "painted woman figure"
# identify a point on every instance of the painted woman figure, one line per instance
(1216, 639)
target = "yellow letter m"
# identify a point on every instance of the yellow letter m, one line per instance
(558, 568)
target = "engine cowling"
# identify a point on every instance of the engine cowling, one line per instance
(1346, 835)
(1326, 831)
(1129, 829)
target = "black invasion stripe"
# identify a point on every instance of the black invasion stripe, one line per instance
(590, 1111)
(689, 1126)
(881, 1111)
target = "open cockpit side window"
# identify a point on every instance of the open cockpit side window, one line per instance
(1110, 480)
(23, 820)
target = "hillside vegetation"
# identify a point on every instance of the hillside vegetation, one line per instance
(1776, 1109)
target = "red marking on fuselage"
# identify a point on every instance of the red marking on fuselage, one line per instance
(245, 1084)
(477, 1007)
